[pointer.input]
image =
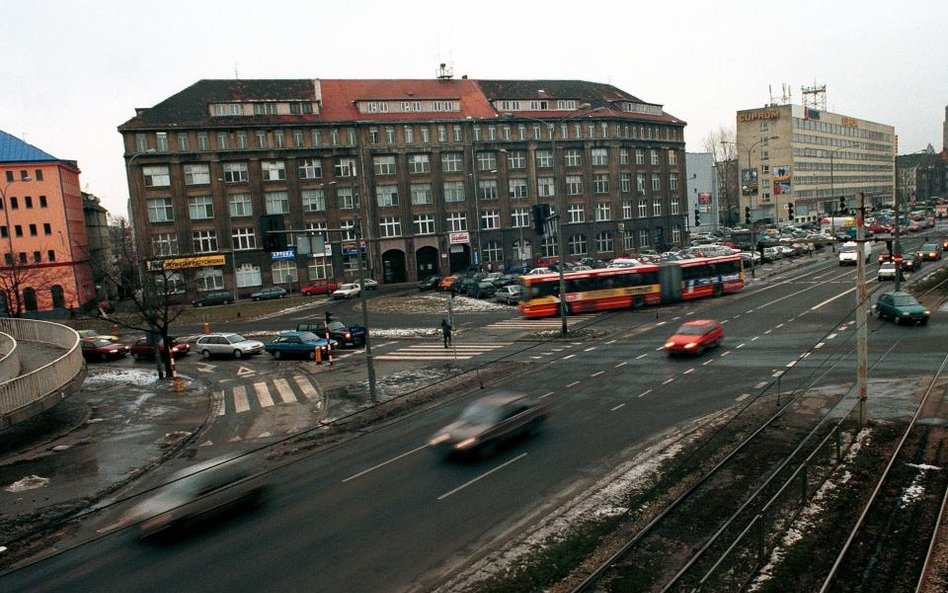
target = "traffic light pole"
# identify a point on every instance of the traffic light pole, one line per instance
(862, 348)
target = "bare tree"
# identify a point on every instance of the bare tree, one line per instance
(18, 277)
(722, 146)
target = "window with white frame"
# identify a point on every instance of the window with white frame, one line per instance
(209, 279)
(576, 245)
(493, 252)
(550, 245)
(490, 219)
(640, 183)
(639, 156)
(242, 140)
(457, 221)
(486, 160)
(348, 225)
(643, 208)
(273, 170)
(576, 213)
(204, 241)
(409, 134)
(487, 189)
(386, 196)
(656, 182)
(235, 173)
(673, 182)
(419, 163)
(141, 142)
(345, 167)
(442, 134)
(424, 224)
(603, 211)
(451, 162)
(545, 187)
(204, 144)
(161, 141)
(653, 157)
(390, 226)
(656, 207)
(673, 205)
(573, 157)
(624, 156)
(604, 242)
(199, 174)
(223, 141)
(643, 238)
(544, 158)
(160, 210)
(298, 137)
(421, 194)
(672, 156)
(628, 240)
(314, 200)
(284, 271)
(277, 202)
(164, 244)
(517, 189)
(453, 191)
(156, 176)
(249, 275)
(574, 185)
(310, 169)
(625, 182)
(600, 157)
(384, 165)
(601, 183)
(676, 234)
(519, 217)
(626, 209)
(184, 143)
(262, 139)
(516, 159)
(200, 207)
(243, 238)
(347, 198)
(239, 205)
(390, 134)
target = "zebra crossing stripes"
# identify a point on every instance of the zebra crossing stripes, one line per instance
(437, 351)
(546, 323)
(264, 394)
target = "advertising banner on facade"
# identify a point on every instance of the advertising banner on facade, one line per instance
(181, 263)
(749, 181)
(459, 237)
(782, 177)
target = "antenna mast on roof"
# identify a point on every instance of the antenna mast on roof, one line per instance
(236, 74)
(445, 72)
(814, 97)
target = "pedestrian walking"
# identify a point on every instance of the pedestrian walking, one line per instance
(446, 332)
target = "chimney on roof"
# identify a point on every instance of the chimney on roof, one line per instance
(445, 72)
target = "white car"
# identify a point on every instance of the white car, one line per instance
(849, 253)
(224, 344)
(346, 291)
(509, 294)
(538, 271)
(369, 284)
(887, 271)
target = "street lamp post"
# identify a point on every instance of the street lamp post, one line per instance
(582, 109)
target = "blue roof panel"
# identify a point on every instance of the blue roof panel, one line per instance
(14, 150)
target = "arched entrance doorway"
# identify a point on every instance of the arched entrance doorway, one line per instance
(393, 266)
(426, 262)
(460, 257)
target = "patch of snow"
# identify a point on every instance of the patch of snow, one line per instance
(99, 377)
(30, 482)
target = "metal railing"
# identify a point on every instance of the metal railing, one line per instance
(40, 388)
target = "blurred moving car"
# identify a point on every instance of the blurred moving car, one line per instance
(508, 295)
(930, 252)
(488, 422)
(912, 262)
(446, 282)
(428, 283)
(345, 334)
(901, 306)
(199, 493)
(215, 297)
(85, 334)
(298, 344)
(887, 271)
(101, 349)
(369, 284)
(346, 291)
(142, 350)
(274, 292)
(695, 336)
(227, 344)
(319, 286)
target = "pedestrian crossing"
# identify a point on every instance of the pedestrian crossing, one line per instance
(240, 399)
(544, 324)
(437, 351)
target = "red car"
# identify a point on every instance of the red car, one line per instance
(142, 350)
(102, 349)
(694, 337)
(320, 286)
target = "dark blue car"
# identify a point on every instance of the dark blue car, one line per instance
(347, 335)
(297, 344)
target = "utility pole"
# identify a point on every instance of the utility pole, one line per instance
(862, 349)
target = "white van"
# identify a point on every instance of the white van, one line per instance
(849, 253)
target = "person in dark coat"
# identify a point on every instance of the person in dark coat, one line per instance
(446, 332)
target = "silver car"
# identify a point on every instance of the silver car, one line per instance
(227, 344)
(509, 294)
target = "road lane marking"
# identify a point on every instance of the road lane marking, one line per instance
(611, 342)
(768, 331)
(573, 384)
(644, 393)
(547, 394)
(384, 463)
(568, 357)
(240, 399)
(725, 353)
(217, 398)
(622, 364)
(640, 356)
(739, 346)
(306, 387)
(284, 391)
(791, 364)
(617, 407)
(589, 349)
(707, 362)
(689, 371)
(667, 381)
(761, 385)
(742, 397)
(830, 300)
(263, 394)
(597, 374)
(754, 339)
(481, 477)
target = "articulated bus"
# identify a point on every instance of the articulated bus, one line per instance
(634, 287)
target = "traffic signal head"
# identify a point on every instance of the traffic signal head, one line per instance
(697, 217)
(790, 211)
(747, 214)
(842, 204)
(328, 317)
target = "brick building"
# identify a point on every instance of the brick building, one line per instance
(436, 175)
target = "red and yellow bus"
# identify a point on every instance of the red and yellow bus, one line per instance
(620, 288)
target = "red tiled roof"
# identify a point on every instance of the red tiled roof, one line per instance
(339, 97)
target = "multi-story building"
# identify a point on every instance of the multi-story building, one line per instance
(701, 184)
(100, 245)
(45, 264)
(811, 161)
(426, 176)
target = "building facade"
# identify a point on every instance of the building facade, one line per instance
(45, 266)
(811, 163)
(100, 246)
(423, 176)
(701, 185)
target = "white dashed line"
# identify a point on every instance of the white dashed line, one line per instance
(597, 374)
(573, 384)
(617, 407)
(622, 364)
(646, 392)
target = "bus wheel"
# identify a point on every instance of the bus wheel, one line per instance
(638, 302)
(718, 290)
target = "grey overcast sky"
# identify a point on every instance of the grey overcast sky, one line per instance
(74, 70)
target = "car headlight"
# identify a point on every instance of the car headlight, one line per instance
(441, 438)
(157, 522)
(690, 345)
(469, 442)
(669, 344)
(927, 312)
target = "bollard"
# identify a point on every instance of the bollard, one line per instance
(115, 329)
(178, 385)
(207, 327)
(319, 355)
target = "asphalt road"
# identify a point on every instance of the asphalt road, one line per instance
(381, 513)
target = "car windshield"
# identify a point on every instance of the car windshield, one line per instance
(333, 325)
(694, 330)
(928, 247)
(234, 338)
(308, 336)
(479, 413)
(904, 300)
